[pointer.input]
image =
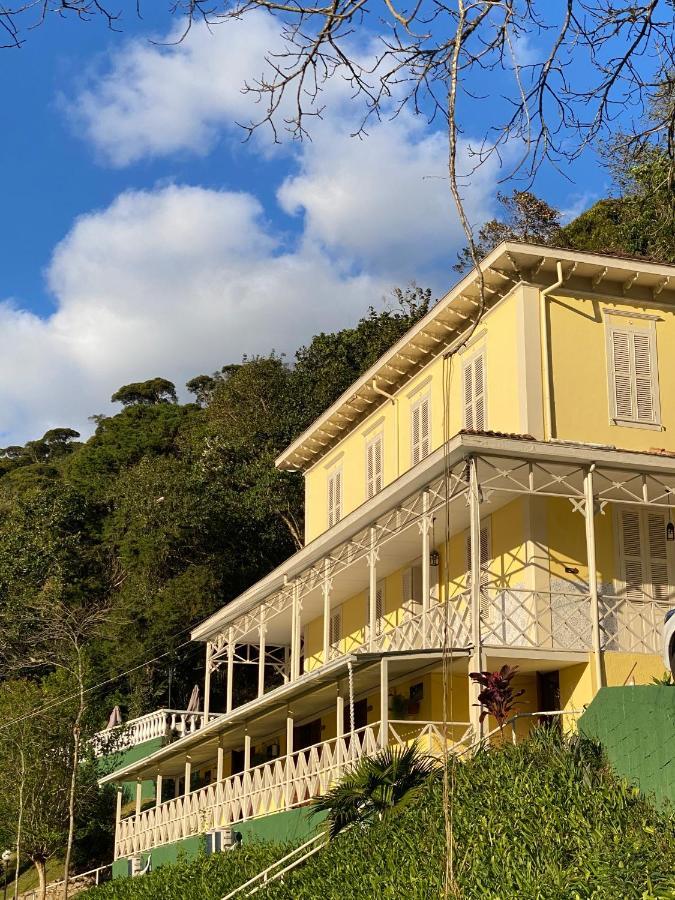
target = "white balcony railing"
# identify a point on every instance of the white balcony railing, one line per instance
(284, 783)
(160, 723)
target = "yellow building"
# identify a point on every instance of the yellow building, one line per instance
(495, 489)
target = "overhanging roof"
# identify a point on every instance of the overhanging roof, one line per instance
(512, 262)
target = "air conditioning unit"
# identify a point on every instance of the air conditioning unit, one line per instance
(136, 866)
(221, 839)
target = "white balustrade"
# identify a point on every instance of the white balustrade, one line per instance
(160, 723)
(283, 783)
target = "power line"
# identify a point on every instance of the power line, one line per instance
(56, 703)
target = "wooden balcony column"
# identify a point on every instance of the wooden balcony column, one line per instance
(230, 668)
(425, 525)
(589, 516)
(327, 584)
(262, 629)
(139, 796)
(289, 754)
(118, 817)
(477, 663)
(220, 760)
(373, 555)
(158, 788)
(339, 723)
(207, 682)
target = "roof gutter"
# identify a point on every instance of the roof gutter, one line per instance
(545, 365)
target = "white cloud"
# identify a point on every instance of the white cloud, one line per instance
(170, 282)
(155, 99)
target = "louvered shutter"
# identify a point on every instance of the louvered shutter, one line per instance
(468, 397)
(425, 428)
(658, 557)
(378, 465)
(370, 469)
(415, 421)
(335, 627)
(633, 570)
(334, 498)
(623, 380)
(479, 393)
(644, 384)
(484, 564)
(379, 607)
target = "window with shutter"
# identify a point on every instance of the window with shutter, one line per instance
(379, 607)
(633, 376)
(335, 627)
(420, 430)
(474, 394)
(412, 590)
(644, 553)
(374, 466)
(484, 568)
(334, 497)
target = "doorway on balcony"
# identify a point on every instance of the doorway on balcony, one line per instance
(548, 697)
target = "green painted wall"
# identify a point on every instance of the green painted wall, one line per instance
(293, 825)
(121, 758)
(636, 726)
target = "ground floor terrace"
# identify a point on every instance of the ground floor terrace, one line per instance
(557, 558)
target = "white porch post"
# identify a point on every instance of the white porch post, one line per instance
(326, 612)
(425, 527)
(289, 754)
(589, 514)
(261, 657)
(247, 752)
(207, 683)
(477, 661)
(158, 789)
(230, 668)
(188, 774)
(384, 702)
(296, 634)
(139, 796)
(220, 763)
(118, 819)
(372, 588)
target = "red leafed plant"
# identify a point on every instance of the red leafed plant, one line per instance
(497, 697)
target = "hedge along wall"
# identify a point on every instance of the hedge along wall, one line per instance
(636, 726)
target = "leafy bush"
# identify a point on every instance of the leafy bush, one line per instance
(544, 820)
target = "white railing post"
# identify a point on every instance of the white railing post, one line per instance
(261, 653)
(207, 681)
(477, 658)
(230, 668)
(425, 528)
(589, 516)
(384, 702)
(296, 633)
(326, 612)
(372, 587)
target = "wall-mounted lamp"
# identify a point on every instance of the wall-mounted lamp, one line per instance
(434, 556)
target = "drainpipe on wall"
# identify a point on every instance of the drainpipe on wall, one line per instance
(394, 401)
(545, 369)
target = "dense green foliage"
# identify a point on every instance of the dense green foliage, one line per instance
(542, 821)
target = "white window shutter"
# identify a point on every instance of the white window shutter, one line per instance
(378, 464)
(484, 568)
(338, 495)
(379, 607)
(658, 556)
(633, 569)
(468, 396)
(415, 421)
(370, 469)
(644, 381)
(425, 428)
(331, 501)
(623, 380)
(335, 627)
(479, 393)
(334, 497)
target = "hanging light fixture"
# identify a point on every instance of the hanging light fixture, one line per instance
(434, 556)
(670, 528)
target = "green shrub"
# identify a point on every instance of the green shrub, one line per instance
(542, 821)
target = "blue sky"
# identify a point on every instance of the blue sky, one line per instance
(142, 237)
